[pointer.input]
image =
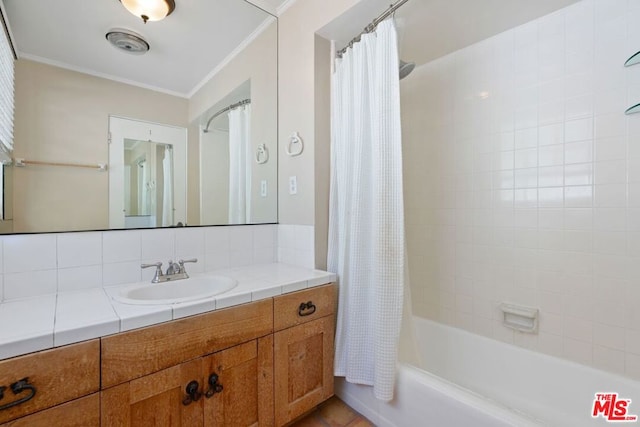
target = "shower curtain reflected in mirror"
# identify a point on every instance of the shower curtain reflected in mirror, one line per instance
(167, 188)
(144, 186)
(240, 165)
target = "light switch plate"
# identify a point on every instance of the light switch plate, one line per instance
(293, 185)
(263, 188)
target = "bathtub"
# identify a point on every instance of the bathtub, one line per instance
(469, 380)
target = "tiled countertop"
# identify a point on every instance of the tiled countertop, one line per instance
(47, 321)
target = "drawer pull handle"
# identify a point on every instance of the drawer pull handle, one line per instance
(214, 387)
(193, 395)
(306, 309)
(17, 388)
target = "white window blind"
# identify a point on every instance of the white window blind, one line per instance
(6, 94)
(6, 103)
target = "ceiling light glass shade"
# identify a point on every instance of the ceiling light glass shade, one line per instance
(149, 10)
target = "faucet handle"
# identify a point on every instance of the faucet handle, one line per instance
(158, 266)
(155, 264)
(182, 261)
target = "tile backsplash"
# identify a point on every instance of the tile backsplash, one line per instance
(46, 263)
(296, 245)
(522, 184)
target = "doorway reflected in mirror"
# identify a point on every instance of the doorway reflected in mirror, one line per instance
(148, 184)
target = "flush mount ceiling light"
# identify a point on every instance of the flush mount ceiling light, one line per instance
(150, 10)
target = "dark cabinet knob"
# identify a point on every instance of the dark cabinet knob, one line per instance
(214, 387)
(193, 395)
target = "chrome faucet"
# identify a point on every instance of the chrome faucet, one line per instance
(175, 271)
(173, 268)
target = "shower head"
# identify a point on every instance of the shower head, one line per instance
(406, 68)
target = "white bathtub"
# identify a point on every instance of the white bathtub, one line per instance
(510, 386)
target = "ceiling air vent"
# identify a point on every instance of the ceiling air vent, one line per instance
(127, 41)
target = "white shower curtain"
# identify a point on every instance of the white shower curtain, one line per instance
(240, 165)
(366, 214)
(167, 189)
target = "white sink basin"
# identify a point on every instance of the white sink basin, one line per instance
(172, 292)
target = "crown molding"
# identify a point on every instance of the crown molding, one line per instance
(94, 73)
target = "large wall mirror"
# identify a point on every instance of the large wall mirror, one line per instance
(210, 73)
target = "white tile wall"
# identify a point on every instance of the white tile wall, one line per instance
(73, 279)
(522, 184)
(79, 249)
(43, 264)
(216, 243)
(296, 245)
(29, 253)
(240, 246)
(265, 240)
(120, 246)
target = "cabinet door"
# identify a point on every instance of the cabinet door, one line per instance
(155, 400)
(245, 375)
(303, 368)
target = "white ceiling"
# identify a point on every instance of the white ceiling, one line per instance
(185, 47)
(200, 35)
(429, 29)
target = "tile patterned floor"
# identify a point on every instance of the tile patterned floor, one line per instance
(333, 413)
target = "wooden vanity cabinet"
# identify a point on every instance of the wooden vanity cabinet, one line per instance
(133, 354)
(158, 363)
(241, 394)
(57, 376)
(303, 351)
(258, 364)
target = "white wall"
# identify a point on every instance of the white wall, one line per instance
(522, 183)
(303, 107)
(214, 153)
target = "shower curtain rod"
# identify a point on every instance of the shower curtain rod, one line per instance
(372, 26)
(224, 110)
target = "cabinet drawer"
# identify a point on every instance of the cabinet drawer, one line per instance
(58, 375)
(83, 412)
(133, 354)
(288, 310)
